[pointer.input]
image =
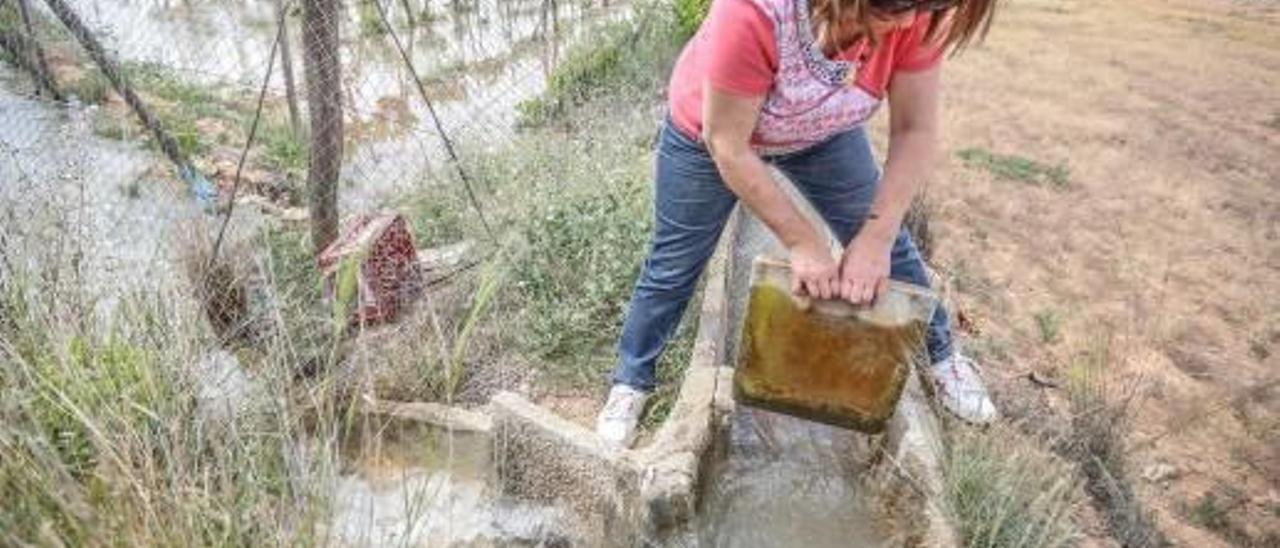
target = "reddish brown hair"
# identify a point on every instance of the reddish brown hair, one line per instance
(954, 28)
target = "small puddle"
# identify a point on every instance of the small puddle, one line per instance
(405, 483)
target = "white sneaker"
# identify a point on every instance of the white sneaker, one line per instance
(961, 391)
(617, 422)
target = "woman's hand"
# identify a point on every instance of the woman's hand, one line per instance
(814, 272)
(864, 268)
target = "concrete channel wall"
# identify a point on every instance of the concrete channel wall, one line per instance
(631, 497)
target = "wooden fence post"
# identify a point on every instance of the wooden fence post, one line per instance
(324, 105)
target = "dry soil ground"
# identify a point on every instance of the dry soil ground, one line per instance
(1161, 248)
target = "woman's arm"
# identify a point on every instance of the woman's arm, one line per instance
(913, 132)
(727, 123)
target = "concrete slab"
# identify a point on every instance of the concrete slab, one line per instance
(671, 463)
(543, 457)
(447, 417)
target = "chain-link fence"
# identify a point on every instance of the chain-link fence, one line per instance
(412, 80)
(132, 133)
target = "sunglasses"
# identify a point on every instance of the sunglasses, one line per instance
(895, 7)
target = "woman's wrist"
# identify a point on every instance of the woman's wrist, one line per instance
(880, 227)
(805, 237)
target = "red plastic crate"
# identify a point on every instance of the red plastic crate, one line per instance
(388, 275)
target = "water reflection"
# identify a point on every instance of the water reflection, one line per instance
(478, 58)
(411, 484)
(65, 192)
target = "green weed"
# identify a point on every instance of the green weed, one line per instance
(370, 20)
(1049, 325)
(1210, 513)
(113, 127)
(439, 215)
(1213, 511)
(584, 72)
(298, 292)
(48, 30)
(628, 59)
(91, 88)
(10, 18)
(582, 258)
(165, 83)
(105, 437)
(689, 15)
(282, 149)
(1017, 168)
(179, 103)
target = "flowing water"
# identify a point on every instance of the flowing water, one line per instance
(778, 481)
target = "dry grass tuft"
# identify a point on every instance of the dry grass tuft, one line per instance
(1004, 490)
(220, 284)
(1099, 431)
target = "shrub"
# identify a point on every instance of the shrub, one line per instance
(689, 16)
(623, 60)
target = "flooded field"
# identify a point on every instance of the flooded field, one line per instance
(478, 59)
(64, 188)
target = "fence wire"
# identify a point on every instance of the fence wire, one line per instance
(197, 67)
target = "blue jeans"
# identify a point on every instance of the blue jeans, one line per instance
(691, 206)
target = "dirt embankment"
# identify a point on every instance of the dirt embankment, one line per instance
(1152, 240)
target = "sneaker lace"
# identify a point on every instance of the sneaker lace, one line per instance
(619, 406)
(964, 371)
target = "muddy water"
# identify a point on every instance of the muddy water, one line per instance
(777, 481)
(64, 192)
(479, 58)
(409, 484)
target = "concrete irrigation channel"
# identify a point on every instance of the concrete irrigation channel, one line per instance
(714, 474)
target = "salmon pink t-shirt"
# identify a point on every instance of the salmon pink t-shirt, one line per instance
(767, 47)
